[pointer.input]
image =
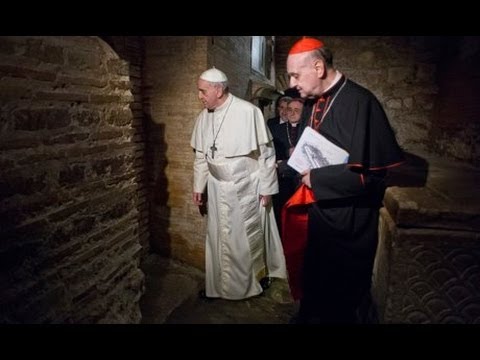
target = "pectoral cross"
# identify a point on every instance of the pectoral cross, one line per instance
(213, 148)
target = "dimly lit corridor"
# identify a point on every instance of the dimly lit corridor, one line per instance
(97, 223)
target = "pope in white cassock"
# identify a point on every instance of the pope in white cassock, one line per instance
(235, 165)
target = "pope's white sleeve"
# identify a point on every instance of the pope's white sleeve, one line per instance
(268, 170)
(200, 172)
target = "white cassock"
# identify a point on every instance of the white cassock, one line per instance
(243, 243)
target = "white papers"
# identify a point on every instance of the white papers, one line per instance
(315, 151)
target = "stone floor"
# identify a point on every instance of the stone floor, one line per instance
(171, 297)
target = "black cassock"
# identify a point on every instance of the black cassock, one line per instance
(287, 177)
(343, 222)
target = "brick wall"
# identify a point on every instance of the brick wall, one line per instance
(231, 54)
(68, 189)
(132, 50)
(172, 66)
(456, 130)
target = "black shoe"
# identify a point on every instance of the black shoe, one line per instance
(265, 283)
(203, 295)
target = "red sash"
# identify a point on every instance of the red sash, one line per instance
(294, 236)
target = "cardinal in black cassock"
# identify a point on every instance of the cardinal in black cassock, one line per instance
(330, 231)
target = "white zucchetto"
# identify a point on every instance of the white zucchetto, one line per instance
(213, 75)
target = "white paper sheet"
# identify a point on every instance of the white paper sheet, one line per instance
(313, 150)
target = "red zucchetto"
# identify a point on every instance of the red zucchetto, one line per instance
(305, 44)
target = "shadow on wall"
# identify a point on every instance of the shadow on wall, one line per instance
(160, 240)
(413, 173)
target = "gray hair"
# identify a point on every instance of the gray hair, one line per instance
(284, 98)
(222, 84)
(324, 54)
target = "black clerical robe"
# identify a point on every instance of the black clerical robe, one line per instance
(280, 140)
(283, 139)
(342, 223)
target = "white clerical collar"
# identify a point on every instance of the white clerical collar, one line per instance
(338, 76)
(282, 121)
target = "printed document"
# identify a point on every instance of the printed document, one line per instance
(313, 150)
